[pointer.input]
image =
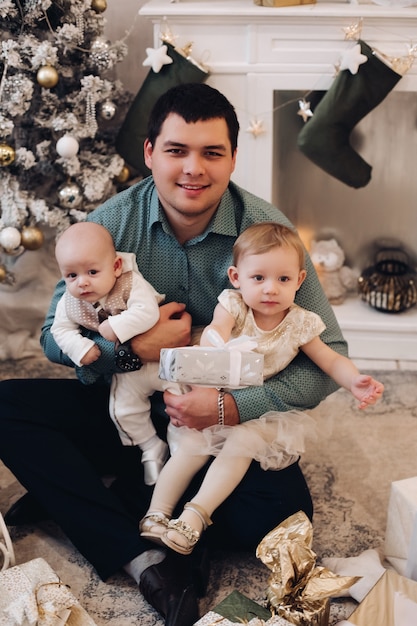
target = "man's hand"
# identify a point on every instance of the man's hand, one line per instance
(171, 331)
(198, 408)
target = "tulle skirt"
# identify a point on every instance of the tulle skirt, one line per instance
(275, 440)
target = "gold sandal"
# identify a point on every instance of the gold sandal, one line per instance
(153, 526)
(190, 534)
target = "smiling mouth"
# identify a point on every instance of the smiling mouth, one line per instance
(188, 187)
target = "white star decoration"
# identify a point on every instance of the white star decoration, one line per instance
(352, 59)
(256, 128)
(305, 110)
(157, 57)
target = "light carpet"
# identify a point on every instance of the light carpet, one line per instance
(349, 471)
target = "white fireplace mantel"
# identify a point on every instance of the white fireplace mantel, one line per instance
(253, 51)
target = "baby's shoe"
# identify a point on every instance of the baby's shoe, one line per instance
(153, 526)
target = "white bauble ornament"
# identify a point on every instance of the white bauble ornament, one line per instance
(67, 146)
(70, 196)
(10, 238)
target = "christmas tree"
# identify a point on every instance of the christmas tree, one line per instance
(59, 116)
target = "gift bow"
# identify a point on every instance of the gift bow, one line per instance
(236, 347)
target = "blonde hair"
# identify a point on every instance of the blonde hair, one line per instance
(261, 237)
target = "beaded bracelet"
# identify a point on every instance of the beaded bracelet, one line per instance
(220, 406)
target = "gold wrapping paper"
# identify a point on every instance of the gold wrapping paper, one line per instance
(377, 608)
(298, 590)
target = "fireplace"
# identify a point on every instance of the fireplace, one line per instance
(265, 60)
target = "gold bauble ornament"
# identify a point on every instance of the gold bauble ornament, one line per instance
(99, 5)
(124, 175)
(7, 155)
(3, 274)
(47, 76)
(32, 238)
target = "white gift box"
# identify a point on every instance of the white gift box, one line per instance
(32, 594)
(401, 530)
(211, 367)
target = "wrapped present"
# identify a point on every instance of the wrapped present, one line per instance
(392, 602)
(231, 365)
(298, 590)
(32, 594)
(238, 609)
(401, 530)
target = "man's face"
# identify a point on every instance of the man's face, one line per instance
(191, 166)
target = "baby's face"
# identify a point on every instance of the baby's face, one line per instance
(87, 276)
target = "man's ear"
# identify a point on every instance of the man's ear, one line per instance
(118, 266)
(301, 278)
(233, 276)
(147, 153)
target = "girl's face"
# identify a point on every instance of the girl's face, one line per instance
(268, 283)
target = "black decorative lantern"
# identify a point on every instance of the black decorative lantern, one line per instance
(391, 284)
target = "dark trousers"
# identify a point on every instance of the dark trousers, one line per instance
(57, 438)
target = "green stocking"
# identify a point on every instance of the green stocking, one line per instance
(324, 139)
(129, 142)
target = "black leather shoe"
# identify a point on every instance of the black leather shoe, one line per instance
(168, 588)
(26, 510)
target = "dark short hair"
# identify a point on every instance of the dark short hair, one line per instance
(193, 102)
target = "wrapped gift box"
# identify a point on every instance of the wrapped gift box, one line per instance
(401, 530)
(32, 594)
(211, 367)
(238, 609)
(393, 598)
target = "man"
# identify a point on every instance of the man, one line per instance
(56, 435)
